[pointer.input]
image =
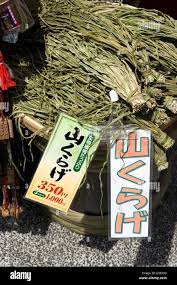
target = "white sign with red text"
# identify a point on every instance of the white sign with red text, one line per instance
(130, 172)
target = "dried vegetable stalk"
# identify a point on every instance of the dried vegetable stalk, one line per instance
(91, 48)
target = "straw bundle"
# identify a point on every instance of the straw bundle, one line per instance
(91, 48)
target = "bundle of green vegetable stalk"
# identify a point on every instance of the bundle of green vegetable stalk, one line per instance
(92, 48)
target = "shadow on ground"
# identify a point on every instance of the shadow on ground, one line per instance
(101, 243)
(164, 219)
(34, 219)
(157, 251)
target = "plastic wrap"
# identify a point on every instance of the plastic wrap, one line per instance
(15, 18)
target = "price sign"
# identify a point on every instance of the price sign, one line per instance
(64, 164)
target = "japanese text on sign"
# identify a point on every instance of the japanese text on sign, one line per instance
(130, 179)
(64, 164)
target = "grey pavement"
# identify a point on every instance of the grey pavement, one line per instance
(38, 241)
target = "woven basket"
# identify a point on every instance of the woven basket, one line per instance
(84, 216)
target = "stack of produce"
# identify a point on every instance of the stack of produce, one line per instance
(92, 48)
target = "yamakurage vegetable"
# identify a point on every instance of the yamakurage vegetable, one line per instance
(91, 48)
